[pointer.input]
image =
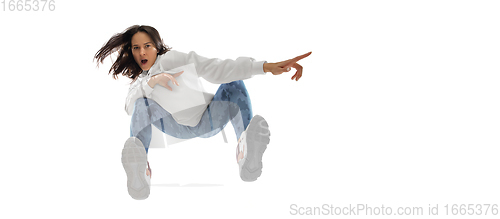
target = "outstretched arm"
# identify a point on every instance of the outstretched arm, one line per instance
(285, 66)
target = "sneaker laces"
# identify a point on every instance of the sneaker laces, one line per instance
(150, 172)
(239, 150)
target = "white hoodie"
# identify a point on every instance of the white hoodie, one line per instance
(188, 101)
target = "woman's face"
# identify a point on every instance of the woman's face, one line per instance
(143, 50)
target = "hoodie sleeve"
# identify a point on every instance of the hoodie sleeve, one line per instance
(216, 70)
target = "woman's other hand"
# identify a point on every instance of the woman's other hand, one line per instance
(163, 79)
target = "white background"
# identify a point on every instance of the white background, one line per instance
(398, 106)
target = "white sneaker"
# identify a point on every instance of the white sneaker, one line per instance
(135, 162)
(251, 147)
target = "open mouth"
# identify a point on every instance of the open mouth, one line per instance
(144, 61)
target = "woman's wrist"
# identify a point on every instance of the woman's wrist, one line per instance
(267, 67)
(152, 82)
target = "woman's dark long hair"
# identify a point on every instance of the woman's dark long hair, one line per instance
(121, 43)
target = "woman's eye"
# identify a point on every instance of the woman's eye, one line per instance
(147, 46)
(135, 47)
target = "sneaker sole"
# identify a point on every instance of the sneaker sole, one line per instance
(257, 136)
(134, 161)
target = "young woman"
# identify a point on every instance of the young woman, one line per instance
(144, 58)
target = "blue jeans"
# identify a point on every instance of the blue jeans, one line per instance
(230, 103)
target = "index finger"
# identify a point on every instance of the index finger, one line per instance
(296, 59)
(178, 73)
(290, 62)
